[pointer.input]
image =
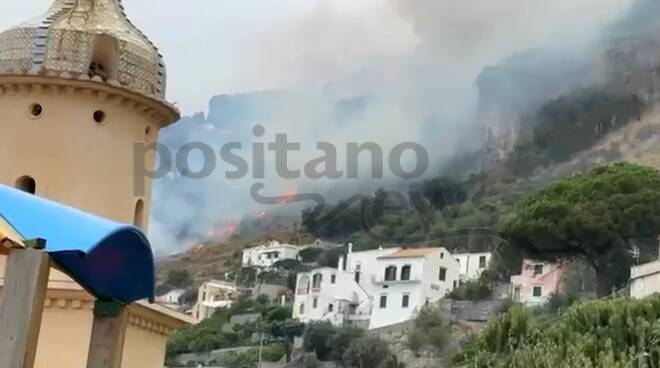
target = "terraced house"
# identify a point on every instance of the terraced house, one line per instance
(376, 288)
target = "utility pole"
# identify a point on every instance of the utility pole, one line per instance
(261, 344)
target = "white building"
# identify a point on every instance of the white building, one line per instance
(645, 280)
(267, 255)
(328, 294)
(212, 296)
(472, 265)
(376, 288)
(171, 297)
(410, 279)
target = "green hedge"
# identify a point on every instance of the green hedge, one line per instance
(607, 333)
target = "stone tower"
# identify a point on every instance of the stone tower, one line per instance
(79, 87)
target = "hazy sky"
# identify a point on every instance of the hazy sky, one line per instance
(225, 46)
(222, 46)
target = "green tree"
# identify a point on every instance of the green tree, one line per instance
(432, 331)
(317, 339)
(592, 216)
(367, 352)
(443, 192)
(179, 279)
(330, 257)
(342, 339)
(575, 122)
(287, 330)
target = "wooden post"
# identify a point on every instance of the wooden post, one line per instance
(22, 305)
(108, 335)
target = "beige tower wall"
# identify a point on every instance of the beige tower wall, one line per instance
(144, 349)
(74, 159)
(77, 161)
(65, 333)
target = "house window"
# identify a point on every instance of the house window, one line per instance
(302, 308)
(357, 277)
(538, 269)
(383, 301)
(204, 296)
(537, 292)
(455, 284)
(405, 273)
(482, 262)
(442, 255)
(315, 303)
(516, 294)
(316, 283)
(390, 273)
(331, 307)
(276, 255)
(303, 285)
(405, 302)
(443, 274)
(333, 279)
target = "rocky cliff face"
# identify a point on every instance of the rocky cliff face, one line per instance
(623, 61)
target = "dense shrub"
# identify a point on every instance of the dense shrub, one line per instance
(367, 352)
(432, 331)
(329, 342)
(607, 333)
(479, 289)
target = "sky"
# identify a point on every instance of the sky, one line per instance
(228, 46)
(231, 46)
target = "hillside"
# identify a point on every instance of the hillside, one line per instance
(213, 259)
(548, 113)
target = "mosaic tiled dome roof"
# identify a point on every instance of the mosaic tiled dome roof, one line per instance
(83, 39)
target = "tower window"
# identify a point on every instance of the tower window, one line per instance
(99, 117)
(26, 184)
(36, 110)
(105, 58)
(138, 217)
(147, 134)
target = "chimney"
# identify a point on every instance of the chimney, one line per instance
(341, 263)
(350, 248)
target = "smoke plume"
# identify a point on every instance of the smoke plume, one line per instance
(383, 71)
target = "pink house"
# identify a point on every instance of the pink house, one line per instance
(537, 281)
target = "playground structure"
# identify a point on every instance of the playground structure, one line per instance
(113, 262)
